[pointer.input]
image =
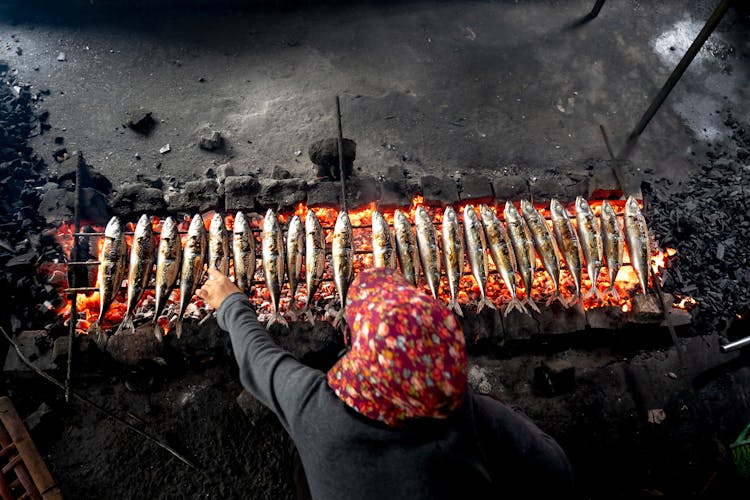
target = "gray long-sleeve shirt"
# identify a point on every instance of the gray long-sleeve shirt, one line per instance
(485, 450)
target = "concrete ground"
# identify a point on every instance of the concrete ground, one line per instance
(437, 87)
(473, 87)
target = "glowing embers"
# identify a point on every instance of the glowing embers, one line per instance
(325, 301)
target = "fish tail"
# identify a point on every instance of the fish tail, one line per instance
(484, 301)
(517, 305)
(178, 328)
(127, 324)
(455, 307)
(277, 318)
(558, 297)
(309, 316)
(614, 293)
(339, 319)
(158, 331)
(530, 302)
(101, 337)
(591, 292)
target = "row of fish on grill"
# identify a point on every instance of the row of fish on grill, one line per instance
(593, 242)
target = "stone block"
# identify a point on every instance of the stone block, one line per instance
(476, 187)
(564, 188)
(438, 191)
(240, 192)
(325, 155)
(511, 188)
(282, 193)
(395, 191)
(520, 326)
(324, 194)
(201, 196)
(605, 318)
(556, 319)
(647, 309)
(362, 191)
(483, 328)
(129, 348)
(36, 346)
(555, 376)
(138, 198)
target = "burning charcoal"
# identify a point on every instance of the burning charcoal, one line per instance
(555, 376)
(438, 191)
(211, 142)
(27, 342)
(25, 260)
(325, 155)
(141, 121)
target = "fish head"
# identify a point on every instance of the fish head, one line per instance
(270, 223)
(311, 222)
(114, 228)
(485, 212)
(239, 222)
(342, 222)
(422, 214)
(168, 227)
(143, 228)
(607, 210)
(526, 206)
(449, 214)
(582, 205)
(555, 207)
(217, 223)
(510, 212)
(632, 206)
(469, 214)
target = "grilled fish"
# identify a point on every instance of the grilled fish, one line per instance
(523, 249)
(612, 245)
(112, 259)
(273, 263)
(453, 252)
(218, 245)
(427, 246)
(343, 261)
(476, 248)
(243, 253)
(168, 259)
(382, 242)
(193, 259)
(545, 246)
(588, 231)
(315, 259)
(568, 242)
(406, 249)
(502, 255)
(639, 245)
(139, 272)
(295, 250)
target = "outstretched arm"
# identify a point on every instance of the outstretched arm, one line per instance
(267, 371)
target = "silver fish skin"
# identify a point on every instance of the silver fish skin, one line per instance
(476, 248)
(139, 271)
(545, 246)
(193, 260)
(112, 259)
(295, 251)
(218, 245)
(590, 237)
(272, 244)
(638, 242)
(406, 248)
(613, 245)
(502, 255)
(382, 242)
(243, 253)
(567, 241)
(427, 247)
(523, 249)
(453, 253)
(342, 254)
(168, 261)
(315, 259)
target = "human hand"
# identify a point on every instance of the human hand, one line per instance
(216, 288)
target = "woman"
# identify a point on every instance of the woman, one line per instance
(394, 417)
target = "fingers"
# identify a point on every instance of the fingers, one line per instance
(215, 274)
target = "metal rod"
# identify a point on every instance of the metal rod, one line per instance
(341, 155)
(695, 47)
(616, 164)
(111, 415)
(595, 11)
(735, 345)
(76, 256)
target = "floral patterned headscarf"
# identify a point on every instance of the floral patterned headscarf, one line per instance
(408, 355)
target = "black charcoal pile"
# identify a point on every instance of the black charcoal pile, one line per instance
(707, 220)
(27, 300)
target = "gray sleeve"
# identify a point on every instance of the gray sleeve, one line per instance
(267, 371)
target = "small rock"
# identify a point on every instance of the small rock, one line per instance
(298, 152)
(223, 171)
(212, 142)
(62, 57)
(141, 121)
(165, 149)
(279, 172)
(59, 140)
